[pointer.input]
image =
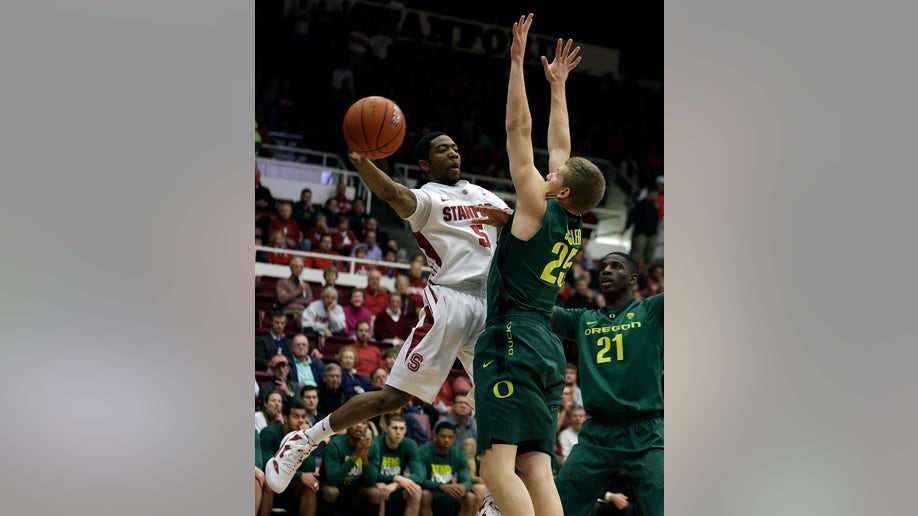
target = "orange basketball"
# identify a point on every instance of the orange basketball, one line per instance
(374, 127)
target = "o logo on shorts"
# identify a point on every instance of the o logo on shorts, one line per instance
(497, 388)
(414, 362)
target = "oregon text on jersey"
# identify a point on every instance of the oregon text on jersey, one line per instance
(611, 329)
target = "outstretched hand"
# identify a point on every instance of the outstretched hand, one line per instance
(565, 60)
(491, 215)
(520, 31)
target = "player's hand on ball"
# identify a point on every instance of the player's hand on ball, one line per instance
(355, 157)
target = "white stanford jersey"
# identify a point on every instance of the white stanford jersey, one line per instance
(458, 251)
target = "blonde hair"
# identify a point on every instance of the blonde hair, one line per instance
(273, 237)
(343, 349)
(586, 183)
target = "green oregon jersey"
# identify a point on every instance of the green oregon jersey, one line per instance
(620, 354)
(528, 275)
(398, 461)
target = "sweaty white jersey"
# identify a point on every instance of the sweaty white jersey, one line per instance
(458, 251)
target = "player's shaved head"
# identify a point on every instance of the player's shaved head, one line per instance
(632, 264)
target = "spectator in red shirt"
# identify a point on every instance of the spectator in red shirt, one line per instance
(318, 230)
(369, 356)
(392, 325)
(375, 298)
(325, 247)
(287, 226)
(277, 240)
(343, 239)
(416, 283)
(345, 203)
(409, 307)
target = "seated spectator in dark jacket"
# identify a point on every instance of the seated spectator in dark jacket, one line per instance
(272, 343)
(331, 396)
(305, 212)
(352, 382)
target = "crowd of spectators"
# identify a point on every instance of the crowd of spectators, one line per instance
(312, 62)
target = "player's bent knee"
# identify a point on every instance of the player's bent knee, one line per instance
(391, 399)
(329, 494)
(370, 495)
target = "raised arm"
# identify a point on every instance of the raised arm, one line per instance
(529, 184)
(559, 130)
(398, 196)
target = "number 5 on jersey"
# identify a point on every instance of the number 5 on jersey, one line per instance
(484, 241)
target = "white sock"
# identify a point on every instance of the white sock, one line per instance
(321, 431)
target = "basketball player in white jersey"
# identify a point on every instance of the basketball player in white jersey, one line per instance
(441, 214)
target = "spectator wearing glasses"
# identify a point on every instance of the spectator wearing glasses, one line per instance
(378, 379)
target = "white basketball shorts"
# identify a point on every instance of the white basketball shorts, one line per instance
(448, 327)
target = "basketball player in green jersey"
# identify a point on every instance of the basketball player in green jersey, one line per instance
(519, 364)
(620, 361)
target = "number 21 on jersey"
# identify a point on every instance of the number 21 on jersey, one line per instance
(605, 343)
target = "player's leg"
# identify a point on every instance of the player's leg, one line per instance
(259, 487)
(329, 493)
(639, 454)
(443, 504)
(535, 471)
(467, 504)
(480, 492)
(648, 484)
(423, 364)
(267, 501)
(585, 475)
(368, 499)
(426, 503)
(308, 500)
(475, 310)
(360, 408)
(296, 446)
(515, 382)
(498, 470)
(411, 502)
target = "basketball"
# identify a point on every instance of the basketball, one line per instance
(374, 127)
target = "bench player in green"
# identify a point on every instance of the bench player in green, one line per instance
(519, 365)
(620, 359)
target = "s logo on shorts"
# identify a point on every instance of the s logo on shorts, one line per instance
(414, 361)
